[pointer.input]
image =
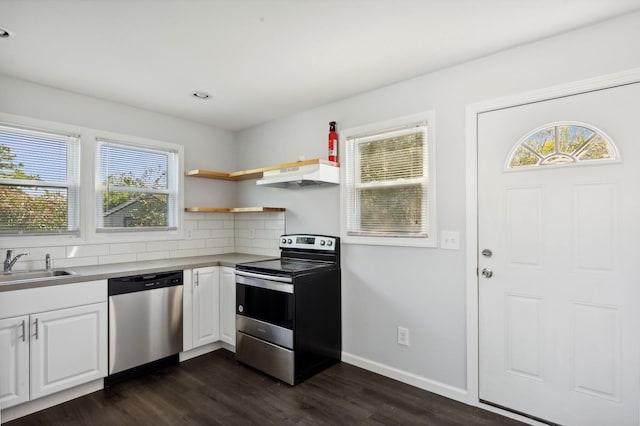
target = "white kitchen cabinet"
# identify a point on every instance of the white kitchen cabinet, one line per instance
(67, 348)
(204, 308)
(228, 305)
(53, 338)
(14, 364)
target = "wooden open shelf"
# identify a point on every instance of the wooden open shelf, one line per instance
(246, 175)
(253, 173)
(234, 209)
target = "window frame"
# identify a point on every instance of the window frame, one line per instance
(72, 184)
(429, 199)
(172, 191)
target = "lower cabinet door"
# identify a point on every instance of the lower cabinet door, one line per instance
(228, 305)
(205, 305)
(68, 348)
(14, 361)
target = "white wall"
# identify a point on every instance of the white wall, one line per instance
(422, 289)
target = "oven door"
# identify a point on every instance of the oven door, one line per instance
(265, 307)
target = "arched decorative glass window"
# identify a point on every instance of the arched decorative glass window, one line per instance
(562, 144)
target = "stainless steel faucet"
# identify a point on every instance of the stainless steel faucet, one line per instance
(8, 262)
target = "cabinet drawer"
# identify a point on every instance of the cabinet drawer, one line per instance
(42, 299)
(264, 356)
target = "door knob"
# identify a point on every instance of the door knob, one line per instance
(487, 273)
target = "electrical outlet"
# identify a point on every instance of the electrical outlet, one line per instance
(403, 336)
(450, 240)
(252, 234)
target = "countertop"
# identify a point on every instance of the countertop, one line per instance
(100, 272)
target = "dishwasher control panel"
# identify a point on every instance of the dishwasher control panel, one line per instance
(131, 284)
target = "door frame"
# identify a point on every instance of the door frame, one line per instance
(471, 189)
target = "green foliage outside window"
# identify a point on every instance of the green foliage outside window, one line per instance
(28, 208)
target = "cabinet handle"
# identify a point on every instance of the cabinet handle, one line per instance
(36, 324)
(198, 278)
(24, 331)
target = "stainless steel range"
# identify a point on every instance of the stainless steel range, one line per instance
(288, 314)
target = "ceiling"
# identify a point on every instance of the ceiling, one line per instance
(264, 59)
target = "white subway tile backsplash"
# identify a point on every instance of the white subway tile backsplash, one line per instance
(204, 234)
(122, 248)
(219, 242)
(210, 251)
(267, 234)
(261, 243)
(162, 245)
(243, 242)
(117, 258)
(87, 250)
(200, 234)
(223, 233)
(73, 262)
(242, 233)
(183, 253)
(210, 224)
(154, 255)
(275, 224)
(190, 244)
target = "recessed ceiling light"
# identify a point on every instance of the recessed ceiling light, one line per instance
(201, 95)
(4, 33)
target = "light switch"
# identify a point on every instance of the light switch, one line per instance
(450, 240)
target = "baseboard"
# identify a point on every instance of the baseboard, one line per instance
(192, 353)
(27, 408)
(230, 348)
(434, 386)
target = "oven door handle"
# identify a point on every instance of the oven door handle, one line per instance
(269, 285)
(264, 276)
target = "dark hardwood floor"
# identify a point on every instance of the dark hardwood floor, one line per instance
(215, 390)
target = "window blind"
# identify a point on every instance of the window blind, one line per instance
(386, 181)
(39, 178)
(136, 188)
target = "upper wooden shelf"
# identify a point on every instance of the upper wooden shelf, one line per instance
(233, 209)
(253, 173)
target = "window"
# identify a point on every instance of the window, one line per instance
(562, 144)
(39, 175)
(136, 187)
(388, 196)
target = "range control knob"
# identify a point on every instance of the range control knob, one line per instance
(289, 241)
(322, 242)
(329, 243)
(284, 241)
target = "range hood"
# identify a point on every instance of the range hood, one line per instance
(298, 176)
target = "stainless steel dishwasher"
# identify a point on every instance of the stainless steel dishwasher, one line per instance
(145, 319)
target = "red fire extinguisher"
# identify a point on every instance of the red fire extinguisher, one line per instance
(333, 142)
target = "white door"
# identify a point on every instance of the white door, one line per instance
(14, 361)
(206, 296)
(228, 305)
(68, 348)
(559, 281)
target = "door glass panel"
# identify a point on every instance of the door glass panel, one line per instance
(561, 143)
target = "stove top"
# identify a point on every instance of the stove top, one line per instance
(284, 266)
(301, 254)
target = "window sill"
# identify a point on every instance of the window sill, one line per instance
(390, 241)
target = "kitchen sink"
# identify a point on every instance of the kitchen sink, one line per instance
(18, 276)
